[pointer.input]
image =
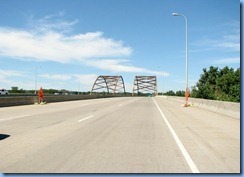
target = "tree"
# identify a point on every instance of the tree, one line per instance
(228, 85)
(218, 84)
(207, 83)
(14, 89)
(180, 93)
(170, 93)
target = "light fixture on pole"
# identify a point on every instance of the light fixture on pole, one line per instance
(187, 91)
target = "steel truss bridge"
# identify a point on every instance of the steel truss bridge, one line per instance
(145, 84)
(112, 84)
(115, 85)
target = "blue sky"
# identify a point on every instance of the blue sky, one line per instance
(71, 43)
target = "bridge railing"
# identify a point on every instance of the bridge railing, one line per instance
(223, 107)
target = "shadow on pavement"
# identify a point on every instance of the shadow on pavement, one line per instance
(3, 136)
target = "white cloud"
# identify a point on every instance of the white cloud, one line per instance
(233, 46)
(47, 41)
(10, 73)
(85, 79)
(54, 46)
(235, 60)
(56, 77)
(227, 43)
(119, 66)
(232, 37)
(227, 40)
(6, 77)
(51, 22)
(81, 82)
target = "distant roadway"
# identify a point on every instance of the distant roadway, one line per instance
(118, 135)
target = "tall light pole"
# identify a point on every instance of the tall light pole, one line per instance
(35, 80)
(187, 92)
(158, 77)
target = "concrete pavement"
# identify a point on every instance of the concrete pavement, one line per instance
(117, 135)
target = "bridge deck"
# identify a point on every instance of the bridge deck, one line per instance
(120, 135)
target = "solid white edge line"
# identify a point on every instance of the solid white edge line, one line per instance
(186, 155)
(85, 118)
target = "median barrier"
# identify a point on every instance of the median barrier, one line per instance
(28, 100)
(231, 109)
(17, 100)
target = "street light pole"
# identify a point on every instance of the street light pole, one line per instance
(35, 80)
(36, 77)
(187, 91)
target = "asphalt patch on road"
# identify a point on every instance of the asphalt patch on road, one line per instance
(3, 136)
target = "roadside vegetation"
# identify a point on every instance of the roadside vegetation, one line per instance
(219, 84)
(216, 84)
(16, 91)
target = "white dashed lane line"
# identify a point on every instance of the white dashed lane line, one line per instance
(85, 118)
(14, 117)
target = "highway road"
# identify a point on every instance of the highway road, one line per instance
(118, 135)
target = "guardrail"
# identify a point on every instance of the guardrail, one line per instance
(27, 100)
(223, 107)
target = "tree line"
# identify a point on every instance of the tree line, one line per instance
(216, 84)
(16, 90)
(219, 84)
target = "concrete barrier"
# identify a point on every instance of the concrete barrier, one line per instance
(27, 100)
(226, 108)
(17, 100)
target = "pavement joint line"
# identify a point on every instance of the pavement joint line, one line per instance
(85, 118)
(15, 117)
(186, 155)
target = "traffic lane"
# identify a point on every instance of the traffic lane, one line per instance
(212, 139)
(29, 134)
(27, 110)
(132, 139)
(17, 120)
(138, 142)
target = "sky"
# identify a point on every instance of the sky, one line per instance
(68, 44)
